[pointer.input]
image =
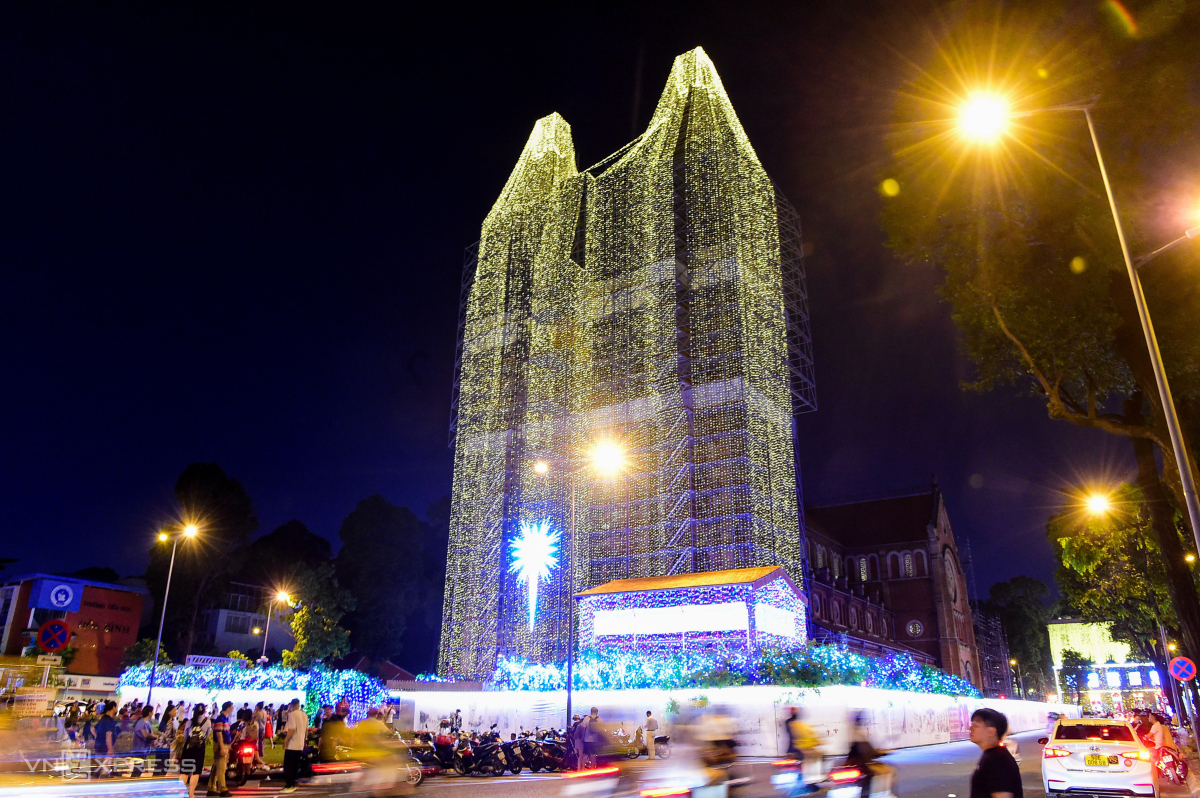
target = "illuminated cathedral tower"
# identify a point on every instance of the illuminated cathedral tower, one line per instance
(655, 300)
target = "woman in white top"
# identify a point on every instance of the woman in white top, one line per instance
(1160, 733)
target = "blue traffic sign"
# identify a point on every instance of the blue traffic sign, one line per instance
(53, 636)
(1182, 669)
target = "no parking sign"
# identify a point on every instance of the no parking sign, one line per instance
(1182, 669)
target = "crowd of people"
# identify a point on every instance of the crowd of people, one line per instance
(175, 738)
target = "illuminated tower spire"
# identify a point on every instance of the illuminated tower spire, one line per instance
(644, 300)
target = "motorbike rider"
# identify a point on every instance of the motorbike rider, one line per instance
(333, 733)
(862, 754)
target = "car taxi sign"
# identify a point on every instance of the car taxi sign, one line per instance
(1182, 669)
(53, 636)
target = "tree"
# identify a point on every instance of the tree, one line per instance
(221, 508)
(271, 558)
(1022, 604)
(383, 563)
(142, 653)
(235, 654)
(1112, 572)
(321, 603)
(1032, 268)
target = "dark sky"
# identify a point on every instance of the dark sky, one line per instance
(235, 234)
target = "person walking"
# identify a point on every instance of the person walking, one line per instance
(651, 726)
(164, 742)
(106, 732)
(222, 740)
(191, 753)
(592, 739)
(295, 737)
(143, 741)
(997, 775)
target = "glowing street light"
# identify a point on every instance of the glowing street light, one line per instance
(1189, 557)
(189, 532)
(984, 118)
(608, 459)
(283, 597)
(1098, 504)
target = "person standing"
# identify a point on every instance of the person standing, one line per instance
(260, 720)
(592, 739)
(456, 722)
(997, 775)
(295, 736)
(222, 740)
(191, 755)
(651, 727)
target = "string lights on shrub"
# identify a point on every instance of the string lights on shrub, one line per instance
(656, 299)
(321, 686)
(816, 666)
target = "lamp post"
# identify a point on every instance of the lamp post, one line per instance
(1020, 678)
(189, 531)
(608, 458)
(280, 596)
(985, 119)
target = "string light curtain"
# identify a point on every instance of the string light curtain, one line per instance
(642, 301)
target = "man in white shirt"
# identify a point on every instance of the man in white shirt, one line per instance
(295, 737)
(651, 727)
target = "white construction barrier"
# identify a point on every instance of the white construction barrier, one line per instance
(897, 719)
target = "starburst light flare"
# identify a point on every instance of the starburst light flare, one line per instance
(534, 556)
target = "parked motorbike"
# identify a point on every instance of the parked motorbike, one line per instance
(476, 756)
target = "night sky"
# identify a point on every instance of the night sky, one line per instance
(235, 234)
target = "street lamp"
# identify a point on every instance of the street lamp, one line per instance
(608, 459)
(985, 118)
(280, 596)
(1098, 504)
(189, 531)
(1020, 678)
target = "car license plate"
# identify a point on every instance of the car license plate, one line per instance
(1096, 761)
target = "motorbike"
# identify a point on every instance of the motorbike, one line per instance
(437, 749)
(241, 762)
(476, 756)
(636, 746)
(512, 754)
(540, 751)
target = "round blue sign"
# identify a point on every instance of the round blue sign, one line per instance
(53, 636)
(1182, 669)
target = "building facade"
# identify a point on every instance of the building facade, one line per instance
(237, 622)
(887, 573)
(103, 618)
(1105, 676)
(655, 301)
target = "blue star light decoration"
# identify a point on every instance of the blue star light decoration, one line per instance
(534, 555)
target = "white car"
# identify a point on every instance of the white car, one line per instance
(1097, 757)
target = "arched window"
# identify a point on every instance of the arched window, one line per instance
(862, 569)
(820, 556)
(922, 569)
(836, 563)
(893, 562)
(853, 618)
(851, 567)
(908, 565)
(873, 567)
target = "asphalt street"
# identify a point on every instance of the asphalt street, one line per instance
(934, 771)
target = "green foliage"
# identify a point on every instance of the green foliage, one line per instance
(382, 562)
(270, 559)
(1023, 606)
(235, 654)
(1073, 673)
(142, 653)
(321, 604)
(1111, 570)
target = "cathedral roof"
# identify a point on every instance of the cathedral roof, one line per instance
(899, 519)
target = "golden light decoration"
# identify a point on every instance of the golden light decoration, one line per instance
(641, 300)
